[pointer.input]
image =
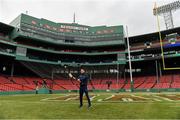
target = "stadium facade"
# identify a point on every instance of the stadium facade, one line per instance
(33, 49)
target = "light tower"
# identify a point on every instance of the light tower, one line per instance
(166, 11)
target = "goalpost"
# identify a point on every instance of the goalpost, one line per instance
(161, 45)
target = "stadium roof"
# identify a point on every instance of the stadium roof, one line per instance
(153, 36)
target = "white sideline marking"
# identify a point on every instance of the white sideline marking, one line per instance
(155, 99)
(72, 98)
(99, 100)
(46, 99)
(109, 97)
(127, 99)
(92, 98)
(140, 97)
(167, 99)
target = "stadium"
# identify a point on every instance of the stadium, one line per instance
(37, 54)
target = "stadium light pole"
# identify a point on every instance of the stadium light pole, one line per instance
(129, 56)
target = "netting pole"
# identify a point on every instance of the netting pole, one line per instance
(157, 76)
(52, 75)
(12, 70)
(117, 76)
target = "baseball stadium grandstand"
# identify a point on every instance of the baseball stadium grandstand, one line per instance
(37, 55)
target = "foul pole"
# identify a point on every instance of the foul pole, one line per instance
(129, 56)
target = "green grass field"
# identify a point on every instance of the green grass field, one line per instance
(104, 106)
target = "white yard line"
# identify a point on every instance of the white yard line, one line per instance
(72, 98)
(99, 100)
(164, 98)
(127, 99)
(140, 97)
(47, 99)
(92, 98)
(68, 99)
(109, 97)
(155, 99)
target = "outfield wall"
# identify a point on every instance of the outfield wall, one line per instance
(17, 92)
(96, 91)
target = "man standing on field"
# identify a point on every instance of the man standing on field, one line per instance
(83, 79)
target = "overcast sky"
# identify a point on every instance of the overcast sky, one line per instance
(136, 14)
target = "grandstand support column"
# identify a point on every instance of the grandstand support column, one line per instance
(160, 70)
(157, 75)
(52, 75)
(117, 82)
(12, 70)
(129, 56)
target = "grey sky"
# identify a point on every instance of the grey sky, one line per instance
(136, 14)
